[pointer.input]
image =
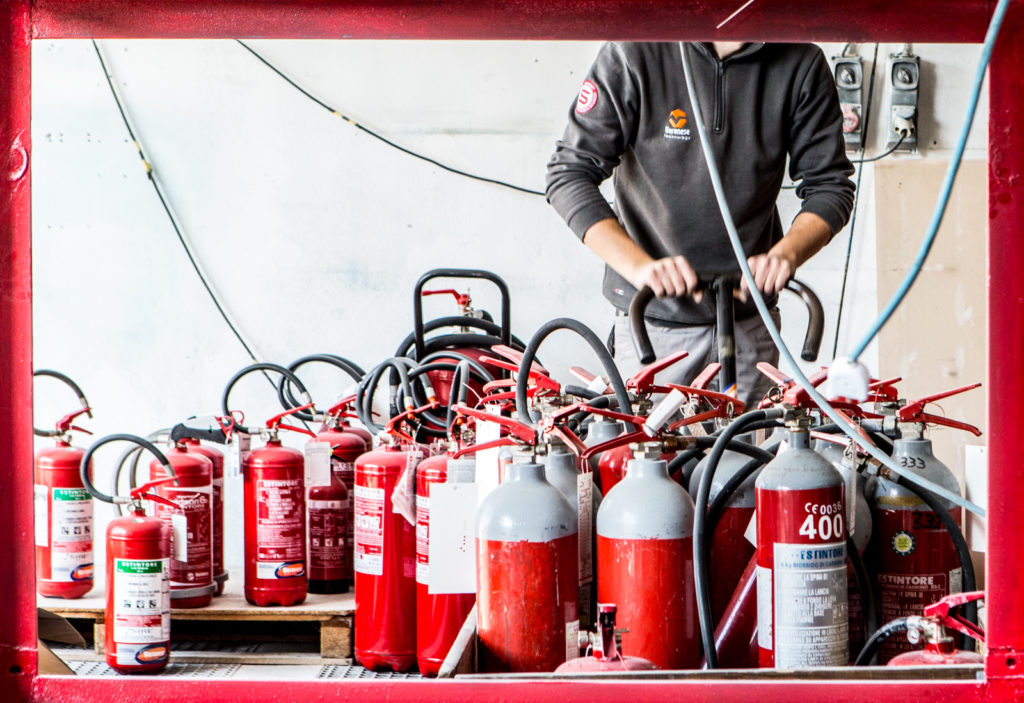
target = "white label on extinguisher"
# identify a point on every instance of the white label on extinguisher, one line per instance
(71, 528)
(423, 540)
(809, 593)
(142, 600)
(179, 536)
(764, 608)
(237, 459)
(42, 511)
(317, 464)
(452, 537)
(956, 581)
(368, 513)
(585, 498)
(572, 640)
(403, 498)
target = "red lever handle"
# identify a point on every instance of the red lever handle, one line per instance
(914, 412)
(945, 611)
(462, 299)
(643, 381)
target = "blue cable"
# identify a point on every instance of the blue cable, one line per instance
(947, 185)
(762, 309)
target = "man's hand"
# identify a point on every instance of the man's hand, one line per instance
(671, 277)
(771, 273)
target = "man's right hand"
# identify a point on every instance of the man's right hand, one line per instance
(670, 277)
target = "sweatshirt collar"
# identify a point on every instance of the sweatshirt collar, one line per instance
(746, 50)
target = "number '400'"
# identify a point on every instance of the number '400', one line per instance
(822, 526)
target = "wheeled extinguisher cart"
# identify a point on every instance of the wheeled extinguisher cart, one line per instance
(63, 508)
(139, 551)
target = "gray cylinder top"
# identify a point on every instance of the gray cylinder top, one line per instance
(914, 455)
(862, 524)
(728, 466)
(798, 468)
(560, 469)
(646, 504)
(525, 508)
(601, 430)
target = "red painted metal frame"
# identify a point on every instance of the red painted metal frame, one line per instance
(777, 20)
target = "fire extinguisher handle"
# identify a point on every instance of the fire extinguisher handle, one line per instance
(815, 319)
(134, 439)
(261, 366)
(417, 302)
(61, 429)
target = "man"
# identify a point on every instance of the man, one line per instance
(633, 119)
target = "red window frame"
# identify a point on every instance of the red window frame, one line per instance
(774, 20)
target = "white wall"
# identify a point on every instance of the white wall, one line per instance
(313, 233)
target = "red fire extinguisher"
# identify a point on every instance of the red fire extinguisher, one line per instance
(188, 509)
(273, 505)
(607, 655)
(931, 630)
(911, 553)
(63, 509)
(138, 608)
(801, 557)
(645, 561)
(527, 583)
(216, 457)
(439, 615)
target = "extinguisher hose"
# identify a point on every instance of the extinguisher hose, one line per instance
(400, 367)
(133, 454)
(452, 356)
(74, 387)
(963, 552)
(491, 335)
(87, 459)
(700, 567)
(261, 366)
(284, 387)
(881, 635)
(565, 323)
(459, 391)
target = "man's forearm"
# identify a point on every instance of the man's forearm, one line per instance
(607, 239)
(806, 237)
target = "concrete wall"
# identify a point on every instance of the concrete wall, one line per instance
(313, 233)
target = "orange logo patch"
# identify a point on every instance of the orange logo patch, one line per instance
(677, 119)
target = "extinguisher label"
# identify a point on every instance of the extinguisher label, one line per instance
(585, 499)
(422, 540)
(191, 532)
(142, 601)
(369, 518)
(280, 528)
(811, 622)
(71, 528)
(572, 640)
(326, 534)
(42, 513)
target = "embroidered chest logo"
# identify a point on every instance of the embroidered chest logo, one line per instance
(587, 99)
(676, 127)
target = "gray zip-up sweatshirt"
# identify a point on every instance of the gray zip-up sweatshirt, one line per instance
(633, 119)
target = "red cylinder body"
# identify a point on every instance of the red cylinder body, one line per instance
(611, 468)
(801, 560)
(191, 525)
(937, 654)
(138, 612)
(597, 663)
(216, 457)
(330, 514)
(274, 509)
(63, 512)
(731, 553)
(736, 632)
(385, 566)
(527, 575)
(439, 616)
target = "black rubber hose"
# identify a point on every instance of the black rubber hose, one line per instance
(408, 344)
(754, 427)
(419, 328)
(638, 325)
(87, 459)
(700, 567)
(368, 387)
(284, 388)
(115, 483)
(686, 463)
(815, 319)
(869, 609)
(262, 366)
(448, 355)
(963, 552)
(459, 390)
(880, 636)
(565, 323)
(440, 418)
(74, 387)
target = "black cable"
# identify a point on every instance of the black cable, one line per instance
(381, 137)
(174, 223)
(879, 157)
(700, 567)
(883, 633)
(856, 201)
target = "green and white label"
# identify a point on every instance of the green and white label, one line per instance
(142, 600)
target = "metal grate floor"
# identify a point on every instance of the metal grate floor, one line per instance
(214, 670)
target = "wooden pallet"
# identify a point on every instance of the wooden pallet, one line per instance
(332, 612)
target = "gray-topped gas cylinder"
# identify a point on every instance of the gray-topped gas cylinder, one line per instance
(910, 553)
(801, 554)
(527, 553)
(600, 430)
(645, 562)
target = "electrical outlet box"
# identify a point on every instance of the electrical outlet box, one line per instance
(904, 83)
(849, 75)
